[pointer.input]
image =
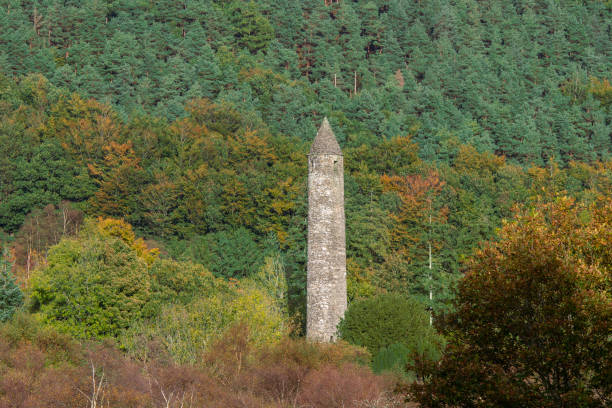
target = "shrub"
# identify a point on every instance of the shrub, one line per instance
(310, 355)
(393, 358)
(36, 365)
(387, 319)
(296, 372)
(186, 331)
(234, 373)
(24, 328)
(345, 386)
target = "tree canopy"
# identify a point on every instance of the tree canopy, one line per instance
(532, 318)
(525, 79)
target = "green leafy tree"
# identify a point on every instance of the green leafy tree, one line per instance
(105, 280)
(174, 282)
(95, 285)
(187, 330)
(120, 180)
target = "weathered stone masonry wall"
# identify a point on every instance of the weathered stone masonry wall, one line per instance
(326, 299)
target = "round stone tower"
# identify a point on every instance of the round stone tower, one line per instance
(326, 296)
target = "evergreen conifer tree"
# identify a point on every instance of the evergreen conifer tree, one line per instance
(11, 296)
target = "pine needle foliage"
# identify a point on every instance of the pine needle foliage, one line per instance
(11, 297)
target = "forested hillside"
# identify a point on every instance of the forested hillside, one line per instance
(448, 114)
(148, 147)
(525, 79)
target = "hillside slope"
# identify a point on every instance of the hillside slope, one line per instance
(525, 78)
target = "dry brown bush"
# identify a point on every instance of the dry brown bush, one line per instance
(345, 386)
(312, 355)
(43, 369)
(57, 387)
(279, 383)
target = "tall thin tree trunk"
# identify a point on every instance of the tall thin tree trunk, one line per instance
(430, 287)
(430, 273)
(29, 258)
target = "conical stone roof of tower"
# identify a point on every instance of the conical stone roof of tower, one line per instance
(325, 141)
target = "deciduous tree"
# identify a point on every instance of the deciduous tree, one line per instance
(532, 318)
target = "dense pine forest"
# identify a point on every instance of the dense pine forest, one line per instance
(153, 203)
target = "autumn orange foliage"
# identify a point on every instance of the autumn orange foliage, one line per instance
(532, 318)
